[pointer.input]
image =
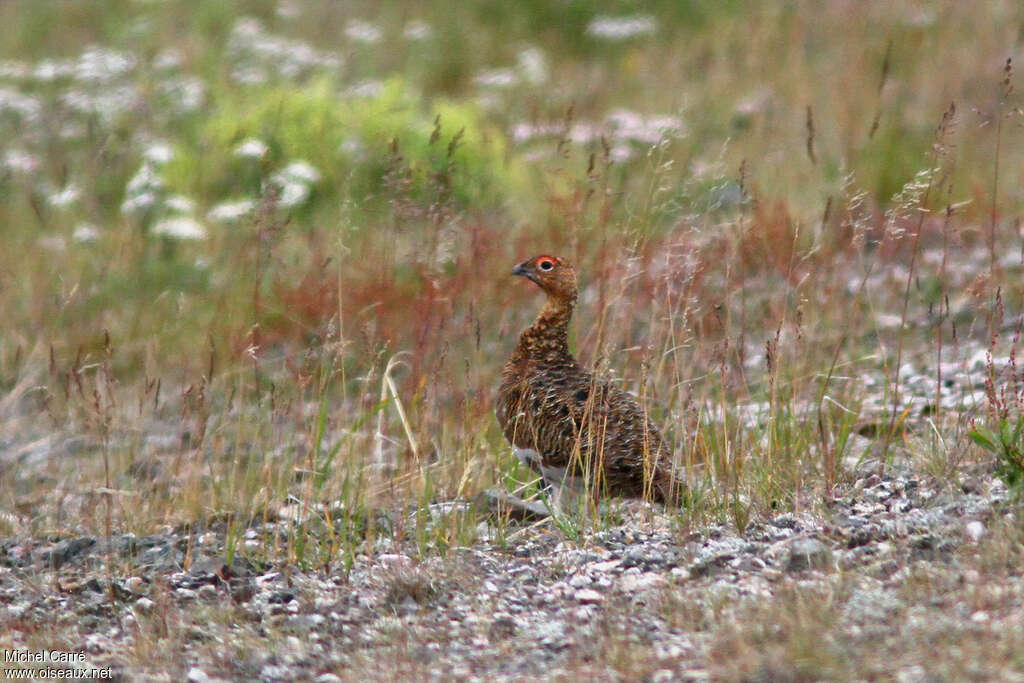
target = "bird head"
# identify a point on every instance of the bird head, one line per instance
(555, 276)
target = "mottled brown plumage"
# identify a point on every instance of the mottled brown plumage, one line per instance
(573, 428)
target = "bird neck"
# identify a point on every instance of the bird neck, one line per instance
(549, 333)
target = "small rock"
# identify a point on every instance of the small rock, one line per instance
(407, 606)
(502, 628)
(485, 532)
(395, 561)
(185, 594)
(584, 614)
(711, 566)
(144, 605)
(748, 563)
(605, 566)
(784, 521)
(588, 596)
(197, 675)
(930, 548)
(808, 553)
(18, 610)
(972, 485)
(66, 551)
(912, 674)
(579, 581)
(885, 569)
(242, 590)
(552, 635)
(501, 504)
(680, 573)
(273, 672)
(975, 530)
(648, 558)
(635, 583)
(281, 597)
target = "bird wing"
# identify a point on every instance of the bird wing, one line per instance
(564, 412)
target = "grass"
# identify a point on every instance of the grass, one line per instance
(779, 220)
(383, 313)
(799, 634)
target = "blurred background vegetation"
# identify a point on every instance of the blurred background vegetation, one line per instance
(118, 117)
(235, 198)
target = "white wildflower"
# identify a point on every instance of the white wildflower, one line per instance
(251, 149)
(302, 172)
(186, 93)
(288, 10)
(52, 243)
(52, 69)
(71, 130)
(250, 75)
(229, 212)
(108, 103)
(362, 31)
(367, 88)
(180, 204)
(247, 28)
(532, 65)
(168, 60)
(292, 193)
(581, 133)
(180, 228)
(142, 191)
(144, 180)
(138, 203)
(24, 106)
(497, 78)
(256, 54)
(102, 65)
(14, 70)
(621, 153)
(417, 30)
(64, 197)
(20, 161)
(158, 153)
(353, 148)
(622, 28)
(85, 232)
(628, 125)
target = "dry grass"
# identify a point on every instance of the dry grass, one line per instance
(763, 278)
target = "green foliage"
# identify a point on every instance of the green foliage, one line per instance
(565, 23)
(1006, 441)
(348, 140)
(892, 158)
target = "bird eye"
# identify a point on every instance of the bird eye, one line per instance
(546, 264)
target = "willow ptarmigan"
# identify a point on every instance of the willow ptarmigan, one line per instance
(575, 430)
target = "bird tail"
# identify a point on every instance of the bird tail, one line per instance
(672, 488)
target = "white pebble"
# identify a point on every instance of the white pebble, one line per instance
(975, 530)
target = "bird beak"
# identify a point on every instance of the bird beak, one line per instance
(521, 270)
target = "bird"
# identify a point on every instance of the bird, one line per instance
(575, 429)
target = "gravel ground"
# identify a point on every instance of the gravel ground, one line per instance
(900, 577)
